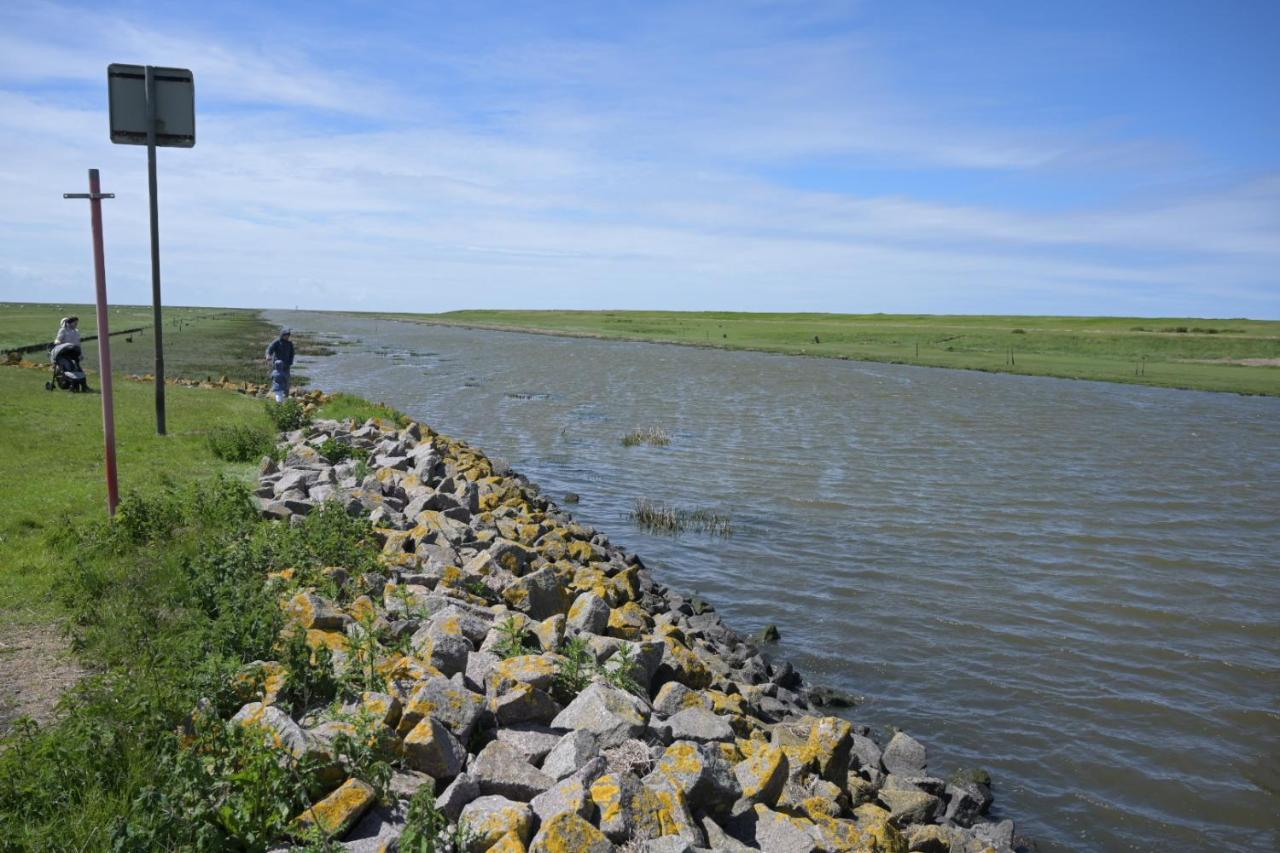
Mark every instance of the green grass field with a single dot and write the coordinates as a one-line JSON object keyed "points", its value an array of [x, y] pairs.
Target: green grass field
{"points": [[1209, 355], [53, 469]]}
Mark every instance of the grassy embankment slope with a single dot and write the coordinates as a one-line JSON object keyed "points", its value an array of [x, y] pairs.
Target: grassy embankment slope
{"points": [[199, 343], [163, 606], [1207, 355]]}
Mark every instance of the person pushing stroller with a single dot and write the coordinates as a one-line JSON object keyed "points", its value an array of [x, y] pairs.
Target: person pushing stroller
{"points": [[64, 355], [280, 360]]}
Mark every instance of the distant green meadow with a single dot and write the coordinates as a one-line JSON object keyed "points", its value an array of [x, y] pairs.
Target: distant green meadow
{"points": [[200, 343], [1238, 355]]}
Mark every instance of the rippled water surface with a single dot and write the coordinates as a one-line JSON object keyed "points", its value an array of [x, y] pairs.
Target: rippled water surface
{"points": [[1074, 585]]}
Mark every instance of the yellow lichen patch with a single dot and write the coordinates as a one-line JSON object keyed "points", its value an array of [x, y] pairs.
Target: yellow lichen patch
{"points": [[451, 576], [673, 816], [395, 542], [846, 836], [301, 608], [607, 795], [567, 832], [385, 709], [690, 671], [828, 746], [509, 843], [334, 641], [629, 622], [338, 812], [362, 609], [261, 681], [536, 670], [285, 575], [816, 807], [549, 632], [489, 502], [763, 773], [410, 481], [729, 752], [799, 756], [725, 703], [386, 475], [398, 667], [488, 828], [580, 550]]}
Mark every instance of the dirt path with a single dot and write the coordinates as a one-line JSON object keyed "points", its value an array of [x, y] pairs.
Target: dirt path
{"points": [[36, 667]]}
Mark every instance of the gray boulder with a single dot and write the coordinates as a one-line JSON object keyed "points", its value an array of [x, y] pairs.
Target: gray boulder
{"points": [[571, 752], [699, 724], [612, 715], [904, 755], [499, 769]]}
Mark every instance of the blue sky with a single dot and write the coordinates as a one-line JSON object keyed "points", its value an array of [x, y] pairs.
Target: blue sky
{"points": [[998, 157]]}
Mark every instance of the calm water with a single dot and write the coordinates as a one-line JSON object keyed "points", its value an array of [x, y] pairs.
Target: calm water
{"points": [[1071, 584]]}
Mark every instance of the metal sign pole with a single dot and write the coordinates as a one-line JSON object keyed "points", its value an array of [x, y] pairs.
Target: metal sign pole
{"points": [[95, 196], [155, 247]]}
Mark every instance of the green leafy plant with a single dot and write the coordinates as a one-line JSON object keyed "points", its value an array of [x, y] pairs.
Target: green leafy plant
{"points": [[427, 829], [240, 442], [513, 640], [337, 451], [617, 670], [287, 416], [369, 753], [575, 669]]}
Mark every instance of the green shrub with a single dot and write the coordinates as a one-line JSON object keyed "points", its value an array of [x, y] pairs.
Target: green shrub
{"points": [[287, 416], [427, 830], [167, 602], [240, 442], [336, 451]]}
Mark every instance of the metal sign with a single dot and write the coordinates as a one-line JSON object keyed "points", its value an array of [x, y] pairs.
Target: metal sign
{"points": [[175, 105]]}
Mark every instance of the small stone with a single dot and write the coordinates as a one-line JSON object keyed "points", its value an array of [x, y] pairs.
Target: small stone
{"points": [[674, 697], [768, 634], [699, 772], [904, 755], [278, 727]]}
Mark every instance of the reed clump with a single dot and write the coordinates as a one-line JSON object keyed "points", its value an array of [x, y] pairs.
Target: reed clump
{"points": [[658, 517], [654, 436]]}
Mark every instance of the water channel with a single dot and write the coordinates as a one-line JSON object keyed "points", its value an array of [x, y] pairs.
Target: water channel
{"points": [[1074, 585]]}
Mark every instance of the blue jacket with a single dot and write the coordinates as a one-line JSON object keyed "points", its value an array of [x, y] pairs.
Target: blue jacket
{"points": [[282, 351]]}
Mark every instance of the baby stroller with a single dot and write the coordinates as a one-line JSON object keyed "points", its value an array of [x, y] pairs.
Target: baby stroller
{"points": [[67, 372]]}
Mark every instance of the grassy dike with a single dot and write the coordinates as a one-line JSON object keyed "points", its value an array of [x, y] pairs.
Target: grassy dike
{"points": [[1238, 355], [139, 619]]}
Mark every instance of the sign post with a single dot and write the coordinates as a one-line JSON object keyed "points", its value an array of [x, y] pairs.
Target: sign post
{"points": [[95, 196], [153, 106]]}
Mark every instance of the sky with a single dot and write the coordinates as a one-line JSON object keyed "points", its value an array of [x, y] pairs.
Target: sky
{"points": [[906, 157]]}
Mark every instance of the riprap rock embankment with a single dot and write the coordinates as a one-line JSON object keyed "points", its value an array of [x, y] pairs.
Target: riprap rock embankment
{"points": [[556, 696]]}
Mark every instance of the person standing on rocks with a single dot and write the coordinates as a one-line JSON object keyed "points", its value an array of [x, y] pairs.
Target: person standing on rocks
{"points": [[280, 359]]}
